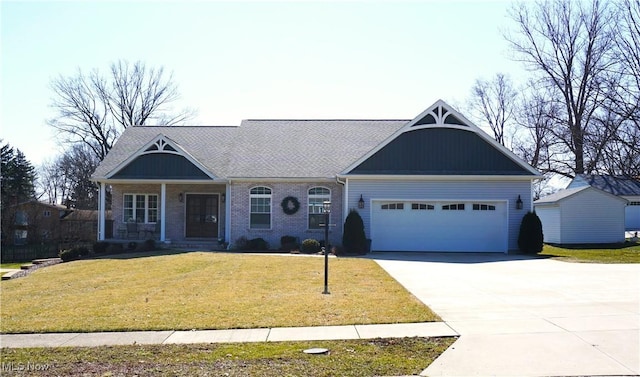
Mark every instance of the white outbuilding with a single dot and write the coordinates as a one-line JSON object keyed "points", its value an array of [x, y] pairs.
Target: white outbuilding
{"points": [[582, 215]]}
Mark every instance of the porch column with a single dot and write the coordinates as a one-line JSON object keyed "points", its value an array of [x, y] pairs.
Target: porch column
{"points": [[163, 208], [101, 211], [227, 214]]}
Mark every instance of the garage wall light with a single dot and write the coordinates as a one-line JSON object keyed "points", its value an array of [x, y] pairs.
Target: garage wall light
{"points": [[361, 202], [181, 197], [519, 203]]}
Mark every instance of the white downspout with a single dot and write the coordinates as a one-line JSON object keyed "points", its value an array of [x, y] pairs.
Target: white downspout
{"points": [[227, 213], [101, 212], [345, 197]]}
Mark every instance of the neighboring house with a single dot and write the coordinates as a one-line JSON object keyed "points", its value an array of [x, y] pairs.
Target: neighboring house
{"points": [[434, 183], [581, 215], [33, 221], [82, 225], [625, 187]]}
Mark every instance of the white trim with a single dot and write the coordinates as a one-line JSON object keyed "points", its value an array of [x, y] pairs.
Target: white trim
{"points": [[160, 137], [163, 210], [470, 127], [102, 212], [270, 196], [404, 177]]}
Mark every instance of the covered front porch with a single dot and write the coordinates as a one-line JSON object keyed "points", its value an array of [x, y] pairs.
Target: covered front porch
{"points": [[168, 212]]}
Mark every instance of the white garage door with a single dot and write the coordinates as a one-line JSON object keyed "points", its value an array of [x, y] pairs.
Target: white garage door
{"points": [[462, 226]]}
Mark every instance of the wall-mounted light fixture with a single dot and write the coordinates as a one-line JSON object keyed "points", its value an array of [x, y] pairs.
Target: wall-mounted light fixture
{"points": [[223, 197], [519, 203], [361, 202], [181, 197]]}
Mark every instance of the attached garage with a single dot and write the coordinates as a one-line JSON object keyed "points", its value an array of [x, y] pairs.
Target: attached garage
{"points": [[436, 225]]}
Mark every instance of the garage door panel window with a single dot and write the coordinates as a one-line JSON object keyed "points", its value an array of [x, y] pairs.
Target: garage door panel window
{"points": [[483, 207], [453, 207], [392, 206], [422, 207]]}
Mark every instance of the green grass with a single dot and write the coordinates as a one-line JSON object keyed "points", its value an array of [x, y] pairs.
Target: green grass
{"points": [[204, 291], [629, 252], [15, 266], [379, 357]]}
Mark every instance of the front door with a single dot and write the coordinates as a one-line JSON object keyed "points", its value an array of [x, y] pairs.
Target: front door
{"points": [[202, 216]]}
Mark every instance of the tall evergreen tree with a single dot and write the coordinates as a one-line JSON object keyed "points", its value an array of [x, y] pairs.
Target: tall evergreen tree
{"points": [[18, 176]]}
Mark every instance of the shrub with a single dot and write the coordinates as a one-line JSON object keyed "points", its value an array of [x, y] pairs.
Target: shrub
{"points": [[132, 245], [241, 243], [258, 244], [147, 245], [115, 248], [82, 251], [100, 247], [69, 255], [288, 243], [530, 238], [354, 240], [310, 246]]}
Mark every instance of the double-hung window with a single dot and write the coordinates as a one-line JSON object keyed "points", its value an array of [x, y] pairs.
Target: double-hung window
{"points": [[260, 217], [317, 197], [140, 208]]}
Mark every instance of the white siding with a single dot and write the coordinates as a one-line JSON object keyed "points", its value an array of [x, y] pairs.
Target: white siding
{"points": [[632, 213], [550, 219], [592, 216], [443, 190]]}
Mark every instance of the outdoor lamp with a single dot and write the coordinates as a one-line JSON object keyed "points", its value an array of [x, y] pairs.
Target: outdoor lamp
{"points": [[519, 203], [361, 202], [326, 208]]}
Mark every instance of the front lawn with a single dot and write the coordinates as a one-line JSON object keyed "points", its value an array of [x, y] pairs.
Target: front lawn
{"points": [[629, 252], [379, 357], [202, 290]]}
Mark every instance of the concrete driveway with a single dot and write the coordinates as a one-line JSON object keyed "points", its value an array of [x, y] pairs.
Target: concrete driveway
{"points": [[519, 316]]}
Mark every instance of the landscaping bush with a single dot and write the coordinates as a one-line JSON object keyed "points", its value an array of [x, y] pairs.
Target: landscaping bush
{"points": [[132, 246], [147, 245], [100, 247], [354, 241], [241, 244], [69, 255], [288, 243], [310, 246], [82, 251], [115, 248], [530, 238], [258, 244]]}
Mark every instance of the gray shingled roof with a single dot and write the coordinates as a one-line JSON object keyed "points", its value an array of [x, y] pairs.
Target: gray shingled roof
{"points": [[560, 195], [620, 186], [264, 148]]}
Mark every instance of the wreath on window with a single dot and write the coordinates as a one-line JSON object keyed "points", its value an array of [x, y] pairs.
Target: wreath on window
{"points": [[290, 205]]}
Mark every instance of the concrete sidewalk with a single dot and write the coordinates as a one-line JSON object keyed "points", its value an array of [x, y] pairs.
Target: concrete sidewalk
{"points": [[427, 329]]}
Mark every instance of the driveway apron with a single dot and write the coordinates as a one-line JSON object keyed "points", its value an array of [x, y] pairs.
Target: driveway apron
{"points": [[527, 316]]}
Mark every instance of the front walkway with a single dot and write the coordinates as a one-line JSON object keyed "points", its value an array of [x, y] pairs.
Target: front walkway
{"points": [[519, 316]]}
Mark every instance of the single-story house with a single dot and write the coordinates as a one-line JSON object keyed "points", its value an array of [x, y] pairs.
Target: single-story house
{"points": [[625, 187], [433, 183], [581, 215]]}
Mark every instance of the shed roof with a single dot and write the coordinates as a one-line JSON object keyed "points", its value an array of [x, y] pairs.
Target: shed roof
{"points": [[616, 185], [561, 195]]}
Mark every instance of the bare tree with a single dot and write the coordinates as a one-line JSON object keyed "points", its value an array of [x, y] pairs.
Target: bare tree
{"points": [[568, 45], [94, 110], [493, 103]]}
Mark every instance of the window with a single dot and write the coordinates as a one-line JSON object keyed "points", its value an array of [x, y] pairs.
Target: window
{"points": [[317, 196], [260, 217], [634, 204], [453, 207], [483, 207], [422, 206], [393, 206], [140, 208], [47, 213], [21, 218]]}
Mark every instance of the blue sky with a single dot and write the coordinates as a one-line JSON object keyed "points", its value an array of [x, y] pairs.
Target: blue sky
{"points": [[252, 60]]}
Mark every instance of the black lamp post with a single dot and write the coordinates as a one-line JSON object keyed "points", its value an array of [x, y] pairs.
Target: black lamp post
{"points": [[326, 208]]}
